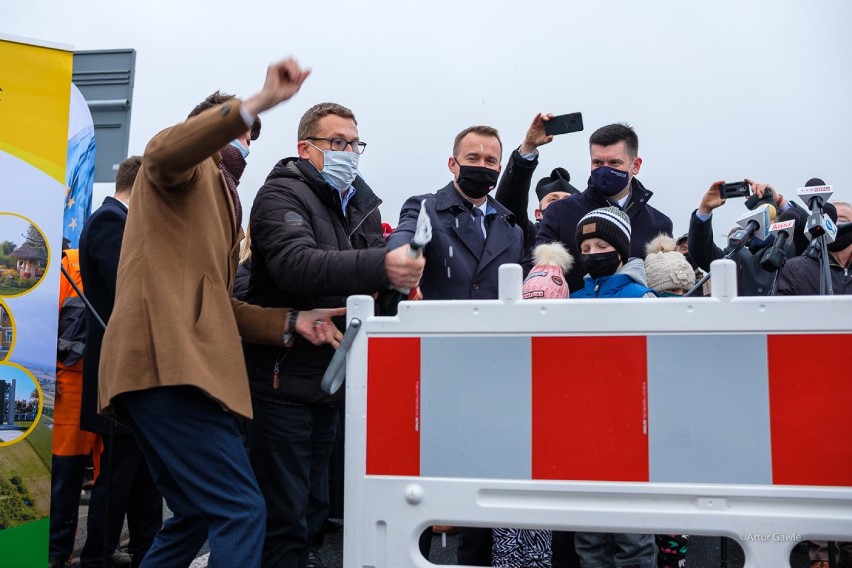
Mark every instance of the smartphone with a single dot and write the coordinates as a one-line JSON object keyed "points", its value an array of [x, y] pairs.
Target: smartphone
{"points": [[735, 189], [564, 123]]}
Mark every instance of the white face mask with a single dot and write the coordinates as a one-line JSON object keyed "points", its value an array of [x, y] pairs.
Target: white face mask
{"points": [[339, 168]]}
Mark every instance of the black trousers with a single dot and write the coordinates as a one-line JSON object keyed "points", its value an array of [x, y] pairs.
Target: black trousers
{"points": [[125, 486], [65, 484], [475, 546], [290, 449]]}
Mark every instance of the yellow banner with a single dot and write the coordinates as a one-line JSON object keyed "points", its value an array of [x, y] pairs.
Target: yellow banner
{"points": [[34, 103]]}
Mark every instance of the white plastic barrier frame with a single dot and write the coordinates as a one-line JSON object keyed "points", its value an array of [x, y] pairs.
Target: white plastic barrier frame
{"points": [[768, 516]]}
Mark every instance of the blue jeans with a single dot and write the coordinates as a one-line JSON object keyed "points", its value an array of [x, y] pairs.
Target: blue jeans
{"points": [[199, 463], [290, 448], [616, 550]]}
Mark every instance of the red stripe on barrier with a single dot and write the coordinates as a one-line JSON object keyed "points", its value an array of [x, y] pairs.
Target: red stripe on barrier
{"points": [[590, 408], [393, 406], [810, 386]]}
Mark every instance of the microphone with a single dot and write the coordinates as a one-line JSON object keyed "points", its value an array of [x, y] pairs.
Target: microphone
{"points": [[775, 257], [754, 224], [822, 223], [815, 194], [820, 228]]}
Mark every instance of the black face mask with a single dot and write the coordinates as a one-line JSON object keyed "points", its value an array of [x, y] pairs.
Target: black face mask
{"points": [[476, 181], [843, 238], [601, 263]]}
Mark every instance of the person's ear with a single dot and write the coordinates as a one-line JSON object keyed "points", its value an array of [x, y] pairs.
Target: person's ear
{"points": [[637, 163]]}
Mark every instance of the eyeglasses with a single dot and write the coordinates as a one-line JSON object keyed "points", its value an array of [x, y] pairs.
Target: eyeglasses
{"points": [[339, 144]]}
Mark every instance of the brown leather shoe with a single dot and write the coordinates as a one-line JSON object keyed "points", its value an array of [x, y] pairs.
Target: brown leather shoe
{"points": [[443, 529]]}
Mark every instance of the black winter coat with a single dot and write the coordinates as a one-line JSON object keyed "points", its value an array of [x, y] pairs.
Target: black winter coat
{"points": [[562, 217], [459, 264], [241, 280], [513, 193], [801, 275], [306, 254], [752, 280]]}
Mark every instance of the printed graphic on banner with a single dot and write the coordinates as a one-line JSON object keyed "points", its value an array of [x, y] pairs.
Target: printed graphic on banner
{"points": [[34, 107], [34, 110], [24, 255], [7, 331], [80, 175]]}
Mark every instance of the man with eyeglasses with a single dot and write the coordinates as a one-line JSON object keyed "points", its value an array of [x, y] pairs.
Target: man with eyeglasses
{"points": [[316, 239]]}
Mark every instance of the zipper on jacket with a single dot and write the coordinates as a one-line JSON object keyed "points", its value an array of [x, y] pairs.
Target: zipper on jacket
{"points": [[275, 368], [597, 289], [361, 222]]}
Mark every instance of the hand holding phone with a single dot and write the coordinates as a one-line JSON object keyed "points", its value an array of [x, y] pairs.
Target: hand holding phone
{"points": [[564, 123], [735, 189]]}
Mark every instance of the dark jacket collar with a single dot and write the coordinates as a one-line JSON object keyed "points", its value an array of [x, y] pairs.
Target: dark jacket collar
{"points": [[448, 198], [110, 200]]}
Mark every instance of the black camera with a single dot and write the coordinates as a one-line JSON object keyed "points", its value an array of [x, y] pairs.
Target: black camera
{"points": [[735, 189]]}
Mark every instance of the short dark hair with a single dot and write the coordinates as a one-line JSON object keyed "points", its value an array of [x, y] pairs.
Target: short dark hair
{"points": [[615, 133], [481, 130], [218, 98], [127, 171], [308, 123]]}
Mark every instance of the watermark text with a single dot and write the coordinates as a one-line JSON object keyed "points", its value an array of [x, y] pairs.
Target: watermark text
{"points": [[770, 537]]}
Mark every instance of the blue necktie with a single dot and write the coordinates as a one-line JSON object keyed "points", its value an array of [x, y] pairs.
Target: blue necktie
{"points": [[479, 219]]}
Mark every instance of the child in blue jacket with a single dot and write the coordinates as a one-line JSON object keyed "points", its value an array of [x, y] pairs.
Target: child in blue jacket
{"points": [[603, 237]]}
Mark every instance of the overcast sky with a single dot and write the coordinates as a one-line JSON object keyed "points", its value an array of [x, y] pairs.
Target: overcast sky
{"points": [[715, 90]]}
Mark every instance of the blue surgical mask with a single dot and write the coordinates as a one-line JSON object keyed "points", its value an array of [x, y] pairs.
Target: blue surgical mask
{"points": [[244, 151], [608, 181], [339, 168]]}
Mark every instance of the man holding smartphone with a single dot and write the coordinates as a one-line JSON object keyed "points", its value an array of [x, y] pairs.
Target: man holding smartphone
{"points": [[513, 189], [752, 279], [614, 165]]}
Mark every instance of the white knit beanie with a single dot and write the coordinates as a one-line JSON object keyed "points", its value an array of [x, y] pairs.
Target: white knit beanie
{"points": [[665, 268]]}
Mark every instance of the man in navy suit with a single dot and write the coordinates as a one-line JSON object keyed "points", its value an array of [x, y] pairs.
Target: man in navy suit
{"points": [[472, 235], [124, 484]]}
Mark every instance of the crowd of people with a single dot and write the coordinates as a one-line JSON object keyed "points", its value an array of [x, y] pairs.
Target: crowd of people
{"points": [[162, 380]]}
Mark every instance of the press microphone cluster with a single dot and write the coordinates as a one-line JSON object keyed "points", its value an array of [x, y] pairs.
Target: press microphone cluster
{"points": [[775, 257], [815, 195], [754, 224]]}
